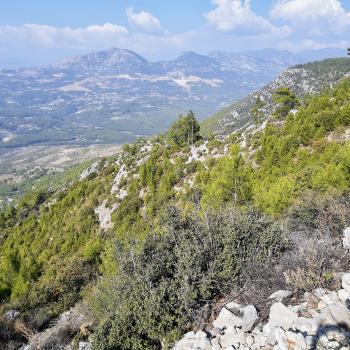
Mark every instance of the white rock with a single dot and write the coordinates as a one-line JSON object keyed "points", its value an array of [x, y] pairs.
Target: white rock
{"points": [[330, 298], [319, 292], [346, 238], [334, 315], [228, 339], [201, 335], [281, 294], [281, 338], [84, 345], [215, 344], [281, 316], [232, 305], [227, 319], [346, 282], [296, 341], [250, 316], [344, 296], [305, 325]]}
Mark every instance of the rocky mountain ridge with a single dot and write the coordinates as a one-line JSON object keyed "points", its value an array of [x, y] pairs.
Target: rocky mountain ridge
{"points": [[115, 96], [303, 80]]}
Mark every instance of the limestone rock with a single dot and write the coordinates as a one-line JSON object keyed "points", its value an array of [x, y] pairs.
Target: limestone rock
{"points": [[227, 319], [250, 316], [296, 341], [281, 338], [281, 294], [346, 238], [281, 316], [330, 298], [344, 296], [334, 315], [346, 282], [84, 345]]}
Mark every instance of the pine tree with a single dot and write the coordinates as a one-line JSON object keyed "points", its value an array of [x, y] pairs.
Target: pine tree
{"points": [[257, 110]]}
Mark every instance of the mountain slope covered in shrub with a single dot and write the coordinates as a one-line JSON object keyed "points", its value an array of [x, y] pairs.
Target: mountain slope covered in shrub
{"points": [[153, 239]]}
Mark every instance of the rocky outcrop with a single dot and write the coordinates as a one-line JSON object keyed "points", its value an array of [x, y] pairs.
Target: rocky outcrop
{"points": [[320, 320]]}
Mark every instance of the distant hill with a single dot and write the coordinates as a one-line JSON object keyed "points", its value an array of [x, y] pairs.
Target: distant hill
{"points": [[303, 79], [115, 96]]}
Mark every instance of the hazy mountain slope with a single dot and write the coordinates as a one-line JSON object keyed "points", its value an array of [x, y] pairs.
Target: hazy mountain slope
{"points": [[155, 238], [116, 95], [304, 79]]}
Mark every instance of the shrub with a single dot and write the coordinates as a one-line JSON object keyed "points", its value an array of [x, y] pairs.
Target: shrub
{"points": [[160, 290]]}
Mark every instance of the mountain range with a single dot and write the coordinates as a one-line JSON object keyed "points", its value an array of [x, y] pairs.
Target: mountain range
{"points": [[115, 96]]}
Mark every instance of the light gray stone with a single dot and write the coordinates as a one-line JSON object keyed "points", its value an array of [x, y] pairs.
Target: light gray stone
{"points": [[305, 325], [346, 238], [281, 294], [334, 315], [250, 316], [346, 282], [281, 316], [281, 339], [84, 345], [296, 341], [227, 319], [330, 298], [319, 292], [201, 335], [215, 344], [344, 296]]}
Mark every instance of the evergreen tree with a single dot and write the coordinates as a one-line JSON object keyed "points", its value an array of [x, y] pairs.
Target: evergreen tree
{"points": [[286, 100], [257, 110], [184, 130]]}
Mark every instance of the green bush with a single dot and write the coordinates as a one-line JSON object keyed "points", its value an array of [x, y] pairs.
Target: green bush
{"points": [[160, 289]]}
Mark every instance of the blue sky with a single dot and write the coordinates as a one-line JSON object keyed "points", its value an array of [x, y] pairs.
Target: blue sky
{"points": [[38, 32]]}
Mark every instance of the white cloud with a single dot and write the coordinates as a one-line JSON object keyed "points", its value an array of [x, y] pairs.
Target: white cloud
{"points": [[237, 16], [45, 36], [314, 13], [143, 20]]}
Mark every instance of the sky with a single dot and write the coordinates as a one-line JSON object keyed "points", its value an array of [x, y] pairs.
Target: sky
{"points": [[39, 32]]}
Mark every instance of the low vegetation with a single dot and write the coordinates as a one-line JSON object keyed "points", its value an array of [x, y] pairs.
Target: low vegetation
{"points": [[189, 230]]}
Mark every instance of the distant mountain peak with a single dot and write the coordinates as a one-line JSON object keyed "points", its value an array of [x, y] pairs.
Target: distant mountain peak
{"points": [[110, 59]]}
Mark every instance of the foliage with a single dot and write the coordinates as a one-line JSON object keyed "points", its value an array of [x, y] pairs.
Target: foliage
{"points": [[257, 111], [184, 131], [160, 290], [286, 100]]}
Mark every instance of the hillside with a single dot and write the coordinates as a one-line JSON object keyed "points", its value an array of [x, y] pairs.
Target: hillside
{"points": [[116, 96], [150, 243], [303, 79]]}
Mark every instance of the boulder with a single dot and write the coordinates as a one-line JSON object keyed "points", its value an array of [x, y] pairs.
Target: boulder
{"points": [[281, 339], [334, 315], [232, 339], [346, 238], [250, 316], [330, 298], [296, 341], [281, 316], [344, 296], [346, 282], [281, 294], [227, 320]]}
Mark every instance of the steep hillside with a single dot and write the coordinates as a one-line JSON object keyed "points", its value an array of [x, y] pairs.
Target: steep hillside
{"points": [[116, 96], [150, 243], [304, 79]]}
